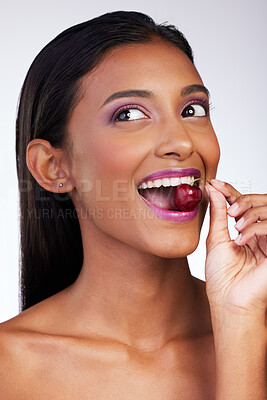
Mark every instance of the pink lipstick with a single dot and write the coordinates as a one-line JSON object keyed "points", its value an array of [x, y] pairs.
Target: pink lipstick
{"points": [[170, 215]]}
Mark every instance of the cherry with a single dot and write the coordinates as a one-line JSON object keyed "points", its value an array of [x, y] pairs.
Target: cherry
{"points": [[187, 197]]}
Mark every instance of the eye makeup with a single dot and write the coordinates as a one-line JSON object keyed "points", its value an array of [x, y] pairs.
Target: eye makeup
{"points": [[203, 101], [125, 107]]}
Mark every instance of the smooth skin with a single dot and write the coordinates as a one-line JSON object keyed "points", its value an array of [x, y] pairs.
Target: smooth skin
{"points": [[135, 319]]}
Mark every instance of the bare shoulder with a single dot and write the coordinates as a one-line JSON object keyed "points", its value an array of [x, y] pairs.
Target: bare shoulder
{"points": [[14, 361], [23, 340], [35, 349]]}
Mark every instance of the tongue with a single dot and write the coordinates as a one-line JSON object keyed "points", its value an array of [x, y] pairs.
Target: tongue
{"points": [[161, 197]]}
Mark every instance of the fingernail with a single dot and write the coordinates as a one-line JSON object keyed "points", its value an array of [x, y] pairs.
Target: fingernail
{"points": [[239, 223], [238, 238], [233, 208], [217, 181]]}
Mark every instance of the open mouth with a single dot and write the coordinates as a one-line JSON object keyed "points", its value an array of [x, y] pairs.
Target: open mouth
{"points": [[163, 195]]}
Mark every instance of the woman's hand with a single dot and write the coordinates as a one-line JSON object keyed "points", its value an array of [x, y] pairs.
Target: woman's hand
{"points": [[236, 270]]}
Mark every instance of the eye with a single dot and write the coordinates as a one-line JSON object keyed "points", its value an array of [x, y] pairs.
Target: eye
{"points": [[129, 114], [194, 110]]}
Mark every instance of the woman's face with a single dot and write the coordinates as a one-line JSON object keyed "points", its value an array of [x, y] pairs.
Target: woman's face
{"points": [[113, 151]]}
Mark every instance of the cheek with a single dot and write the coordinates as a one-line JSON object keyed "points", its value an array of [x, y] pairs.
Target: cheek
{"points": [[111, 158], [110, 164], [209, 151], [117, 157]]}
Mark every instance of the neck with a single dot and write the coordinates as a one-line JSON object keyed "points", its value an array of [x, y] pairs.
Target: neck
{"points": [[133, 297]]}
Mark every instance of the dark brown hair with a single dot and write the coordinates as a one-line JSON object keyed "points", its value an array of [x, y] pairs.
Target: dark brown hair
{"points": [[50, 239]]}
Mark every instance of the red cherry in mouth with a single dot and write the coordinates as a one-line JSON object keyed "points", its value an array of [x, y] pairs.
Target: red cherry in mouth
{"points": [[187, 197]]}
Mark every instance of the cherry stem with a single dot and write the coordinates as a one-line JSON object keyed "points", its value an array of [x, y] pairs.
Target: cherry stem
{"points": [[198, 179]]}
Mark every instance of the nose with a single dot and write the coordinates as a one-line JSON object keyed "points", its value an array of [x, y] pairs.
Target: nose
{"points": [[173, 141]]}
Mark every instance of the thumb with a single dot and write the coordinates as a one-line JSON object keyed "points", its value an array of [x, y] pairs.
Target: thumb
{"points": [[218, 231]]}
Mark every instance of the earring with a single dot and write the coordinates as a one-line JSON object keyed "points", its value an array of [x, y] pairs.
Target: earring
{"points": [[61, 184]]}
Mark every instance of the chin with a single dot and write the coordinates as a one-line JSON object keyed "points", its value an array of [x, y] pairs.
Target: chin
{"points": [[176, 246]]}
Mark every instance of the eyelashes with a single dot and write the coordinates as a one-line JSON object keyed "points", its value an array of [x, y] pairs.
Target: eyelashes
{"points": [[187, 110], [199, 101], [126, 108], [202, 102]]}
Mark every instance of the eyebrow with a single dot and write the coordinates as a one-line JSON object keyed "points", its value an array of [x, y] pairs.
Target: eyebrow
{"points": [[193, 89], [149, 95]]}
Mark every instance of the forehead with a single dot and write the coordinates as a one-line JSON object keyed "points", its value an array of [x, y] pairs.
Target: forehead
{"points": [[141, 66]]}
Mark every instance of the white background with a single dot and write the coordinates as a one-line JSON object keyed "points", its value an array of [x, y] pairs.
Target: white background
{"points": [[229, 42]]}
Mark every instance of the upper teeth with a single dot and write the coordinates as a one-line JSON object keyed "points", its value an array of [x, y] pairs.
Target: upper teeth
{"points": [[166, 182]]}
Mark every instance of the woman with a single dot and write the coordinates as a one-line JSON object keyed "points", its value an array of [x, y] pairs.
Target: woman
{"points": [[107, 294]]}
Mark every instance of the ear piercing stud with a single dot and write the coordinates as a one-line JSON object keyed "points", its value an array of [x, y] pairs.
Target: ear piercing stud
{"points": [[61, 184]]}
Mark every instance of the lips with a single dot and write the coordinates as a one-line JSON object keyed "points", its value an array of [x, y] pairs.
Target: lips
{"points": [[174, 216], [160, 200]]}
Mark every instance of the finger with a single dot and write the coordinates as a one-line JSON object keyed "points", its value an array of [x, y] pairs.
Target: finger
{"points": [[218, 230], [230, 193], [251, 216], [245, 202], [259, 229]]}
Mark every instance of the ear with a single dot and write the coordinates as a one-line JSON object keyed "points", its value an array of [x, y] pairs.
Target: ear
{"points": [[49, 166]]}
